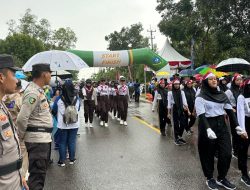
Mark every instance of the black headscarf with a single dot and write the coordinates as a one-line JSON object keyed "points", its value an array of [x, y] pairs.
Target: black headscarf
{"points": [[190, 95], [68, 93], [235, 90], [164, 95], [177, 99], [222, 86], [246, 89], [212, 94]]}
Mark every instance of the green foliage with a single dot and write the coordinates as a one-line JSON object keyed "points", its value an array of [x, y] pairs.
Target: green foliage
{"points": [[29, 36], [220, 28], [126, 38], [21, 46]]}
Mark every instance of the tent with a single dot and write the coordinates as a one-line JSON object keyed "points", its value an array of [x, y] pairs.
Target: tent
{"points": [[174, 59]]}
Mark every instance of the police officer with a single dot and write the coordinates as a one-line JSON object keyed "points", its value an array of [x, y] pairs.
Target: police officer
{"points": [[10, 153], [35, 125]]}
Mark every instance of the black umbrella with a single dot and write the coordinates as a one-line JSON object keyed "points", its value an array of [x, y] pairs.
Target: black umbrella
{"points": [[233, 65]]}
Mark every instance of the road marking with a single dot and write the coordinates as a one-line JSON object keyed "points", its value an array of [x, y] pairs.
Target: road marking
{"points": [[147, 124]]}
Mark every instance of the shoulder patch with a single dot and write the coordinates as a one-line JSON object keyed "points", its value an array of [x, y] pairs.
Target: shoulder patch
{"points": [[32, 100]]}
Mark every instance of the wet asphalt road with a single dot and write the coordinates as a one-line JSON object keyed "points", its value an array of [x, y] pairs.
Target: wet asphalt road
{"points": [[132, 158]]}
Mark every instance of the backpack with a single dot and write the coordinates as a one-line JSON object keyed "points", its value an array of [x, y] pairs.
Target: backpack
{"points": [[70, 115]]}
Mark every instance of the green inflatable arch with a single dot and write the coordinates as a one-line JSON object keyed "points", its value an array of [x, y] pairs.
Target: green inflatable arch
{"points": [[122, 58]]}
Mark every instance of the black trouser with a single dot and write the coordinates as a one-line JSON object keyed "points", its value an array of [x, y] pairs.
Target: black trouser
{"points": [[89, 106], [243, 149], [123, 107], [163, 117], [191, 118], [137, 97], [38, 163], [179, 122], [104, 108], [111, 103], [235, 137], [115, 104], [207, 147], [97, 108]]}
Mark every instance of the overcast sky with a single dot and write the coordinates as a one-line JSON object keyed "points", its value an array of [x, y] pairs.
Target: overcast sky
{"points": [[91, 20]]}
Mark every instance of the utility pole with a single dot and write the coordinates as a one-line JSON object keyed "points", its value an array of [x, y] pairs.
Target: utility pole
{"points": [[151, 37], [152, 47]]}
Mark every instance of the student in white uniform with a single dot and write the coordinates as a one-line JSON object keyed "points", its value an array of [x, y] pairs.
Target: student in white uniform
{"points": [[103, 91], [178, 103], [214, 135], [89, 102], [123, 99], [232, 95], [243, 113], [161, 101]]}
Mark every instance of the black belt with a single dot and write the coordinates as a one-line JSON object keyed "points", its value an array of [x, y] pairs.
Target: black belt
{"points": [[122, 95], [39, 129], [11, 167]]}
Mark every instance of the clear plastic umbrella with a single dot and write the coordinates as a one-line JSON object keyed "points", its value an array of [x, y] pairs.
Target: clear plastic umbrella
{"points": [[58, 60]]}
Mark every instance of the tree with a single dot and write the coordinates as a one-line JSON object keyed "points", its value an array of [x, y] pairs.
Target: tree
{"points": [[219, 28], [61, 38], [126, 38], [21, 46]]}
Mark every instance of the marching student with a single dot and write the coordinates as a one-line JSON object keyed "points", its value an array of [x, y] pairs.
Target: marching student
{"points": [[178, 103], [161, 101], [89, 102], [214, 135], [190, 96], [123, 92], [243, 113], [116, 99], [223, 84], [232, 95], [103, 104]]}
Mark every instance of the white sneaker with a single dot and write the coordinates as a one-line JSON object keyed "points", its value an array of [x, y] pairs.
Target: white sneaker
{"points": [[121, 122], [118, 119], [90, 125], [101, 123], [86, 125], [125, 123], [106, 125]]}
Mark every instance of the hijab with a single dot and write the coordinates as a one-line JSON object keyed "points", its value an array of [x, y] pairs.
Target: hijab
{"points": [[190, 95], [68, 93], [177, 99], [212, 94], [164, 95], [246, 89], [235, 89]]}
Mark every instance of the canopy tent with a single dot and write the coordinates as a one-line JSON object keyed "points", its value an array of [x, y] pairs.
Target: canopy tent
{"points": [[174, 59]]}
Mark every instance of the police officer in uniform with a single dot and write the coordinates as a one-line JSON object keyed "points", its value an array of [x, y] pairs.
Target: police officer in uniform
{"points": [[10, 153], [35, 125]]}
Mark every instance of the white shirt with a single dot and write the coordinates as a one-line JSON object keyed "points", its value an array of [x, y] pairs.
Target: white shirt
{"points": [[243, 110], [123, 90], [211, 109], [231, 97], [93, 97], [171, 99], [156, 97], [103, 90], [197, 92], [60, 113], [113, 92]]}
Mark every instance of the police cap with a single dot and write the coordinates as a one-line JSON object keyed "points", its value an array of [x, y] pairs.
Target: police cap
{"points": [[6, 61], [41, 67]]}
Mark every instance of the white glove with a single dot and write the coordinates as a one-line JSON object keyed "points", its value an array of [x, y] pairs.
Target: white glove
{"points": [[211, 134], [239, 130]]}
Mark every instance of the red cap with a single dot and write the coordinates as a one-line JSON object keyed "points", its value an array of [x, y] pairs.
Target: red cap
{"points": [[176, 81], [209, 74], [236, 76], [161, 81]]}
